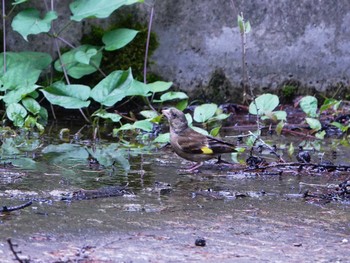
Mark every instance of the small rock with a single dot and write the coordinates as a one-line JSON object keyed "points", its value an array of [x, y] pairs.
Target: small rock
{"points": [[200, 242]]}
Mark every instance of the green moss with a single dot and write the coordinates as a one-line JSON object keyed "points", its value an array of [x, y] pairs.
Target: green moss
{"points": [[132, 55], [289, 92]]}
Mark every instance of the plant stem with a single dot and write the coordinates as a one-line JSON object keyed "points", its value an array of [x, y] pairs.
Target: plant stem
{"points": [[4, 33], [146, 54], [147, 45]]}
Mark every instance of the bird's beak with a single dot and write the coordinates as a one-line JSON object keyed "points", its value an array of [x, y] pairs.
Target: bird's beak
{"points": [[165, 113]]}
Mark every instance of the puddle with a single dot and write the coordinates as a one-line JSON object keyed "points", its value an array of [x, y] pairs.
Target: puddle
{"points": [[254, 218]]}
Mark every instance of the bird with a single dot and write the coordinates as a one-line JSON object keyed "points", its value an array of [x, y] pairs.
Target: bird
{"points": [[190, 144]]}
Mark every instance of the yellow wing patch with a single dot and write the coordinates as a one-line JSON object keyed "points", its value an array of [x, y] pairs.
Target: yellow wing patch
{"points": [[207, 150]]}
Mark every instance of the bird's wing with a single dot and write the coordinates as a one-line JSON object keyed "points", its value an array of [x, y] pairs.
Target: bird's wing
{"points": [[196, 143]]}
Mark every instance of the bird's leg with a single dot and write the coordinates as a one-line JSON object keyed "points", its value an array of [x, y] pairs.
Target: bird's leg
{"points": [[220, 161]]}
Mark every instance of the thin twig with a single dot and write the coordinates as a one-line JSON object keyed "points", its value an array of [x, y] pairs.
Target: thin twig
{"points": [[14, 208], [4, 33], [146, 53], [257, 138]]}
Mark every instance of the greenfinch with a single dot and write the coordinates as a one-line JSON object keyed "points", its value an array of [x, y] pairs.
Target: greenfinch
{"points": [[190, 144]]}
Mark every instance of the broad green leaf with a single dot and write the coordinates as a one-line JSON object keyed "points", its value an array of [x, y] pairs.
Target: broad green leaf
{"points": [[149, 114], [28, 22], [84, 57], [162, 138], [144, 125], [65, 153], [172, 95], [220, 117], [31, 105], [37, 60], [182, 105], [309, 105], [263, 104], [159, 86], [137, 88], [75, 68], [111, 154], [67, 96], [204, 112], [280, 115], [314, 123], [17, 94], [16, 113], [106, 115], [200, 130], [21, 75], [101, 9], [118, 38], [113, 88]]}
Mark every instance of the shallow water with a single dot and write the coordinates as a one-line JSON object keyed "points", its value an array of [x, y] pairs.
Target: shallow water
{"points": [[255, 218]]}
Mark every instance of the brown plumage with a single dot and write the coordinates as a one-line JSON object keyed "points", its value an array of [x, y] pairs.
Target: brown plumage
{"points": [[192, 145]]}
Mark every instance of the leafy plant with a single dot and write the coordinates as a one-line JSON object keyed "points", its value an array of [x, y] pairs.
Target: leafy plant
{"points": [[309, 105]]}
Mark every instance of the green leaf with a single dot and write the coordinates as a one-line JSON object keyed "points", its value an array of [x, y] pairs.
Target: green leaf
{"points": [[204, 112], [309, 105], [16, 113], [67, 96], [28, 22], [247, 27], [182, 105], [314, 123], [74, 67], [159, 86], [84, 57], [30, 122], [118, 38], [16, 95], [264, 103], [113, 88], [144, 125], [172, 95], [42, 116], [17, 2], [31, 105], [220, 117], [200, 130], [149, 114], [21, 75], [106, 115], [215, 132], [291, 149], [280, 115], [240, 23], [279, 127], [137, 88], [320, 135], [162, 138], [101, 9], [330, 103]]}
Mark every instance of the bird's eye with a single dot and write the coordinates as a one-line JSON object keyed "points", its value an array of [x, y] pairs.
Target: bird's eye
{"points": [[173, 114]]}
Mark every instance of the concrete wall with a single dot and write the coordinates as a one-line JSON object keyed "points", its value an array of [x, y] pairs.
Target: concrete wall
{"points": [[304, 42]]}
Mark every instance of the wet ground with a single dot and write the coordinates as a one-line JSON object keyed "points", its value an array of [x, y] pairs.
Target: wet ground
{"points": [[241, 217]]}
